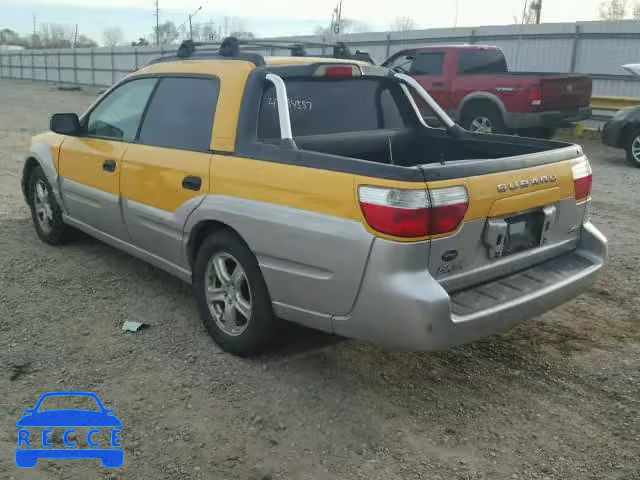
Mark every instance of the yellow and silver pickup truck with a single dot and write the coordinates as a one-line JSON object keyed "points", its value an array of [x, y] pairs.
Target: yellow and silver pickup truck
{"points": [[311, 190]]}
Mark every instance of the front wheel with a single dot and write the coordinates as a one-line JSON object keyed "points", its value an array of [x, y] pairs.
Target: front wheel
{"points": [[632, 147], [232, 296], [45, 211]]}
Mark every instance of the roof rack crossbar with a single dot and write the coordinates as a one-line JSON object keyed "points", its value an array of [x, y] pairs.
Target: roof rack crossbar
{"points": [[230, 48]]}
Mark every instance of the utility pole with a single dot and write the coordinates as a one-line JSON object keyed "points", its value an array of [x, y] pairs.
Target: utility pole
{"points": [[75, 37], [34, 24], [190, 26], [157, 21], [455, 20]]}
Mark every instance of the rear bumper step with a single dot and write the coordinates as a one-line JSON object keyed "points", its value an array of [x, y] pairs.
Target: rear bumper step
{"points": [[517, 287]]}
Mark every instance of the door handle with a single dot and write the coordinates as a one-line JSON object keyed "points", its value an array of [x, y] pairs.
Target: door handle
{"points": [[109, 166], [437, 84], [192, 183]]}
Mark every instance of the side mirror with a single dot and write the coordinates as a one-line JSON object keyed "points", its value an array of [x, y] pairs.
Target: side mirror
{"points": [[65, 123]]}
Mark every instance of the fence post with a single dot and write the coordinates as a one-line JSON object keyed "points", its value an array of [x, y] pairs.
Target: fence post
{"points": [[33, 65], [113, 71], [21, 73], [388, 52], [574, 52], [93, 69], [46, 66], [59, 67], [324, 40], [75, 66], [135, 56], [1, 66], [472, 37]]}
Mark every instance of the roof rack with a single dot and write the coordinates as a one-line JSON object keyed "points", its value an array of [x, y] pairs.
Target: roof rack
{"points": [[230, 48]]}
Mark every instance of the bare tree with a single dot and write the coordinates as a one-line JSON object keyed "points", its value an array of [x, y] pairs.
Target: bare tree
{"points": [[55, 35], [403, 24], [530, 13], [167, 33], [636, 10], [613, 9], [112, 36]]}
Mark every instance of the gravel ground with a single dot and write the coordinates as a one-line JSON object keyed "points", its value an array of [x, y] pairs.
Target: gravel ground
{"points": [[557, 398]]}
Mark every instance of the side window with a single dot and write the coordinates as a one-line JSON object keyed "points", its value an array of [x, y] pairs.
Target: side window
{"points": [[117, 117], [477, 61], [428, 63], [181, 114], [401, 64]]}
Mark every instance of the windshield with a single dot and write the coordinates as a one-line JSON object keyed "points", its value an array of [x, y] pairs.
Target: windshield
{"points": [[322, 106]]}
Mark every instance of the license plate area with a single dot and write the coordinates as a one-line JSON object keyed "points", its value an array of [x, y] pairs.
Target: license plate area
{"points": [[520, 232], [523, 232]]}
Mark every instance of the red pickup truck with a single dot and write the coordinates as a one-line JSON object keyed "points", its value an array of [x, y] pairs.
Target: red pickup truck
{"points": [[473, 84]]}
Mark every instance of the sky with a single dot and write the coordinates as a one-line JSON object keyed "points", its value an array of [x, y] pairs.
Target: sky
{"points": [[277, 17]]}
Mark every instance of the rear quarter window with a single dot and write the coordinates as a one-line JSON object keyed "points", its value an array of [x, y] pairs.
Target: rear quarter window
{"points": [[481, 61], [321, 106]]}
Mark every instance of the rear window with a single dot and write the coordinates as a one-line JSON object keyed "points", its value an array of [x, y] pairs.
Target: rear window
{"points": [[481, 61], [321, 106]]}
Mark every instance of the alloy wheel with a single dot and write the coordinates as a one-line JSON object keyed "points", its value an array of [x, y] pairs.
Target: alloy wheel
{"points": [[42, 206], [228, 294], [635, 149], [481, 125]]}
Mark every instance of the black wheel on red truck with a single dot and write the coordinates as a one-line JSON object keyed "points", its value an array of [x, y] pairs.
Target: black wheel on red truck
{"points": [[483, 117], [632, 146]]}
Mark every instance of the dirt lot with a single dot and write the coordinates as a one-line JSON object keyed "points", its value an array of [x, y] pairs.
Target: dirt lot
{"points": [[557, 398]]}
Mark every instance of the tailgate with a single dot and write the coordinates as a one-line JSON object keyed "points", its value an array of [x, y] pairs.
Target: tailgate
{"points": [[565, 92], [515, 219]]}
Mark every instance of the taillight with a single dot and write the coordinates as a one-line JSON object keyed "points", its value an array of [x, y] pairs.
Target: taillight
{"points": [[337, 71], [582, 178], [535, 95], [413, 213]]}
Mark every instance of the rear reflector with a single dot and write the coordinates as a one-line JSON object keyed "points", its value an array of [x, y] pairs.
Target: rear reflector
{"points": [[413, 213], [337, 71], [582, 178]]}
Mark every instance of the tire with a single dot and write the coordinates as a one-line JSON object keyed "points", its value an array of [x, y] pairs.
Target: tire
{"points": [[483, 118], [223, 305], [632, 141], [45, 211]]}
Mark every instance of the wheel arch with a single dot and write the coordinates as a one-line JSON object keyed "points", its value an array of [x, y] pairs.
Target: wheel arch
{"points": [[30, 164], [481, 98], [628, 130], [41, 156], [199, 233]]}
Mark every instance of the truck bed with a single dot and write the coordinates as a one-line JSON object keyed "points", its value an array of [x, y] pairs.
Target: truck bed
{"points": [[407, 148]]}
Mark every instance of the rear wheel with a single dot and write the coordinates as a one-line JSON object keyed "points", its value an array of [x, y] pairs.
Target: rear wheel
{"points": [[632, 146], [45, 211], [232, 296], [483, 118]]}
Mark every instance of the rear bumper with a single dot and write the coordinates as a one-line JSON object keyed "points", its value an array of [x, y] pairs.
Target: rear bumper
{"points": [[612, 134], [548, 119], [402, 306]]}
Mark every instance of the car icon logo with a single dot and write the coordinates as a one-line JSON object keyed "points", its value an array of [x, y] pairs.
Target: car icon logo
{"points": [[36, 427]]}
